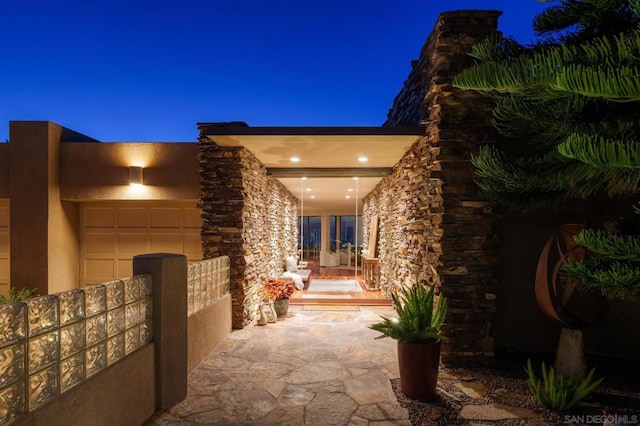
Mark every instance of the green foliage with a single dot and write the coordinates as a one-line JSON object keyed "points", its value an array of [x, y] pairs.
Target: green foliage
{"points": [[613, 279], [572, 100], [17, 295], [550, 96], [557, 71], [420, 316], [573, 21], [558, 392], [613, 246], [613, 268], [554, 178], [602, 154], [494, 47], [621, 84]]}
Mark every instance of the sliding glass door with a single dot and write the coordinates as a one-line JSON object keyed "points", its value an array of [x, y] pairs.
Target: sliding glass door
{"points": [[311, 237], [343, 229]]}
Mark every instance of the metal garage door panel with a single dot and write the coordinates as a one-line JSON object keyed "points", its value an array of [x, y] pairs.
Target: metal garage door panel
{"points": [[166, 243], [166, 218], [134, 241], [101, 242], [112, 235], [99, 217], [101, 270], [132, 217], [192, 218]]}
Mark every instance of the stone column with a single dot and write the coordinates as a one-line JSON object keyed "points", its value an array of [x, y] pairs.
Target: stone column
{"points": [[457, 122], [222, 205]]}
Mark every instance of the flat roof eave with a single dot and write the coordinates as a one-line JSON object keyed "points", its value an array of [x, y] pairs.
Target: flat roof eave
{"points": [[242, 129]]}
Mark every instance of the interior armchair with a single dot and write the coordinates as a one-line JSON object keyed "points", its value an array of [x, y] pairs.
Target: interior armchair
{"points": [[344, 257], [328, 258]]}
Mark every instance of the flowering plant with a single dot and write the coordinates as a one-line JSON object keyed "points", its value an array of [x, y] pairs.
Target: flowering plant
{"points": [[278, 288]]}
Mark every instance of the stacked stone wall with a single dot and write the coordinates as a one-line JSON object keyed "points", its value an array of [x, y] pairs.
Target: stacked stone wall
{"points": [[408, 206], [248, 216], [456, 122]]}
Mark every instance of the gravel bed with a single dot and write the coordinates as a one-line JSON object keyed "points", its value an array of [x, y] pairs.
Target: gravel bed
{"points": [[506, 384]]}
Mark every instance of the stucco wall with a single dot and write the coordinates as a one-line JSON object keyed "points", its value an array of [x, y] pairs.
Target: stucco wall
{"points": [[44, 241], [4, 246], [206, 329], [4, 170], [52, 169], [100, 171]]}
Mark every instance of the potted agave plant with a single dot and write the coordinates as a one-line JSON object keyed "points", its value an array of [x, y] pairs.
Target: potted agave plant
{"points": [[417, 330]]}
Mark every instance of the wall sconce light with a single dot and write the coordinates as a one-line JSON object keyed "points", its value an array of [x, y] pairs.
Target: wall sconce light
{"points": [[136, 176]]}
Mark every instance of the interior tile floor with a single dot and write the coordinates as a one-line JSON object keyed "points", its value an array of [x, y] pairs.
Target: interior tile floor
{"points": [[312, 367]]}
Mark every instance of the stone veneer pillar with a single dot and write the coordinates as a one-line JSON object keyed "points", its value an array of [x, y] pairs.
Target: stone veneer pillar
{"points": [[246, 215], [456, 122]]}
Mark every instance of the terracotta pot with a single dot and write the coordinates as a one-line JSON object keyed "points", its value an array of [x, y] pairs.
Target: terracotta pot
{"points": [[418, 363], [282, 307]]}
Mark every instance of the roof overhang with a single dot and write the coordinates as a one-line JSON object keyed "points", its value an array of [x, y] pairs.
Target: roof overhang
{"points": [[329, 155]]}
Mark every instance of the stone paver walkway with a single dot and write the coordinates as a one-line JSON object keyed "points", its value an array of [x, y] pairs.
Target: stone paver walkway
{"points": [[309, 368], [317, 368]]}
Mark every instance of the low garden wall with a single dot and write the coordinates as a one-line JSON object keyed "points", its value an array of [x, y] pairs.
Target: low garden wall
{"points": [[112, 353], [209, 308]]}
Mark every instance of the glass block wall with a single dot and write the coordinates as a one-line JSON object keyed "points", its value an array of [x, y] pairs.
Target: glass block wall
{"points": [[208, 281], [51, 344]]}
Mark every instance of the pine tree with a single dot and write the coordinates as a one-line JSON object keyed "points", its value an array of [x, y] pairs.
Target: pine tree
{"points": [[570, 106]]}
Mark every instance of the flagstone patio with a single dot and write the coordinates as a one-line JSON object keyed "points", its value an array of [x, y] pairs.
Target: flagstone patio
{"points": [[325, 368]]}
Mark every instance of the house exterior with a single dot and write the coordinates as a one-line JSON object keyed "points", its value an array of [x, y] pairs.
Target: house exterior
{"points": [[74, 218], [69, 217]]}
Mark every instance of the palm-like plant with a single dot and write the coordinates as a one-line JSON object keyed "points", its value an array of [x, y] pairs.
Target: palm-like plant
{"points": [[421, 314]]}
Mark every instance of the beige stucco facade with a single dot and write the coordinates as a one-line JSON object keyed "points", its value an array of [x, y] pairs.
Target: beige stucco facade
{"points": [[4, 246], [68, 216]]}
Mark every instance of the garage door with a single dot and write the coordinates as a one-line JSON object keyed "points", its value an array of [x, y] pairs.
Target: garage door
{"points": [[4, 247], [113, 233]]}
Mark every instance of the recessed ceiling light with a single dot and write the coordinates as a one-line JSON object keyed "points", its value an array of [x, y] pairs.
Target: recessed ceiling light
{"points": [[294, 159], [303, 178], [356, 178], [363, 159], [350, 189], [348, 196], [313, 196], [308, 189]]}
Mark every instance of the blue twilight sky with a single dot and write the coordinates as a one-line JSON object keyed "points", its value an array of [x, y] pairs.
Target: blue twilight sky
{"points": [[141, 70]]}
